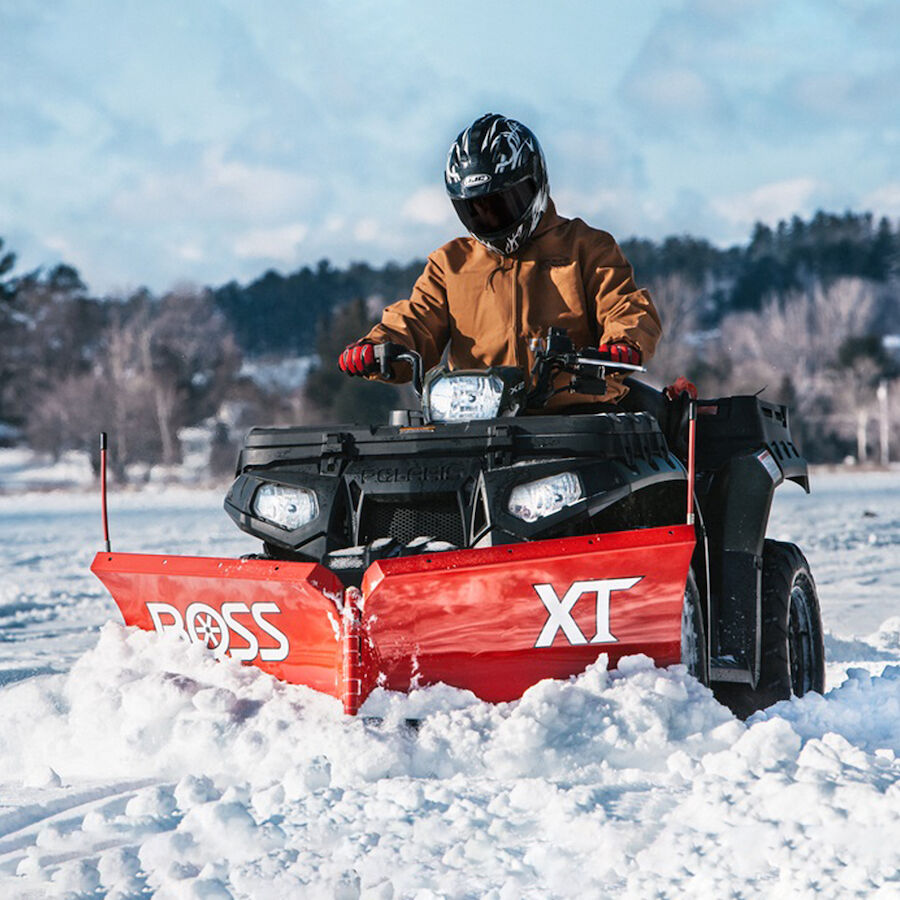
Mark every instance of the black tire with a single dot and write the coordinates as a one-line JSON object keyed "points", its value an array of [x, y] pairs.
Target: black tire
{"points": [[694, 649], [793, 650]]}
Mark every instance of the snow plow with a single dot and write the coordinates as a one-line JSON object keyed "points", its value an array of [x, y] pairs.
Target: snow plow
{"points": [[473, 544]]}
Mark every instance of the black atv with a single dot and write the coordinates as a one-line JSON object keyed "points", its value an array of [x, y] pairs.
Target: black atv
{"points": [[480, 467]]}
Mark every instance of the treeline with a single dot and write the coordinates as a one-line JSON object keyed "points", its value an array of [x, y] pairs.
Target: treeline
{"points": [[141, 367], [801, 310], [792, 256], [281, 313]]}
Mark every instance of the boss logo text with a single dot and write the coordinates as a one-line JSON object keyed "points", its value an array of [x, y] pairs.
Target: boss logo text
{"points": [[215, 628]]}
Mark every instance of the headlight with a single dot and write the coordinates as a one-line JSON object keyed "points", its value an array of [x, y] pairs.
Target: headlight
{"points": [[544, 497], [463, 398], [286, 507]]}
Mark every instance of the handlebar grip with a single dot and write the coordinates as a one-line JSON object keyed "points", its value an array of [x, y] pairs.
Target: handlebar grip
{"points": [[385, 354], [388, 353]]}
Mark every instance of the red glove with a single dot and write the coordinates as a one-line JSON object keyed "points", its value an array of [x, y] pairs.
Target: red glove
{"points": [[622, 353], [359, 359], [680, 386]]}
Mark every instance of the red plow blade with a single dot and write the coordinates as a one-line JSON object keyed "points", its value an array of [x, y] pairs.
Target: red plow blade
{"points": [[494, 621]]}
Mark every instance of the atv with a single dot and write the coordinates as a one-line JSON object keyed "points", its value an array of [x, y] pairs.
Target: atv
{"points": [[483, 542]]}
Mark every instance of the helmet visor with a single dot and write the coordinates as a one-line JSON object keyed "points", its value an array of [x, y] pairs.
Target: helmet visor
{"points": [[496, 212]]}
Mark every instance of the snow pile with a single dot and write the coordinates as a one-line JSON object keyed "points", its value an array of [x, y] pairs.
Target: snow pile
{"points": [[220, 781]]}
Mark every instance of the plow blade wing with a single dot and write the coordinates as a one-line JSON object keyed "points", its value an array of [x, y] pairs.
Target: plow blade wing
{"points": [[498, 620], [283, 617]]}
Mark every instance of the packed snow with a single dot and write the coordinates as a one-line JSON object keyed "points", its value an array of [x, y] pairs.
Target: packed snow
{"points": [[133, 764]]}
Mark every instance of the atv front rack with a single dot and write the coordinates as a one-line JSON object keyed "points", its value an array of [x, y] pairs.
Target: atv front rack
{"points": [[494, 621]]}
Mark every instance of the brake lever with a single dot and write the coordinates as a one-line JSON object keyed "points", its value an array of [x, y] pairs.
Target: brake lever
{"points": [[614, 366], [415, 363]]}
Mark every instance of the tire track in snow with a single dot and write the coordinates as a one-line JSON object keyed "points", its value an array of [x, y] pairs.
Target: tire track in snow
{"points": [[19, 826]]}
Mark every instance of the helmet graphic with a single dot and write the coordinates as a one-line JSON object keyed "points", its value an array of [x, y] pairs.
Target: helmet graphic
{"points": [[497, 180]]}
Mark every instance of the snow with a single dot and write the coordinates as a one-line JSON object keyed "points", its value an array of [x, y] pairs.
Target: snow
{"points": [[132, 763], [23, 469]]}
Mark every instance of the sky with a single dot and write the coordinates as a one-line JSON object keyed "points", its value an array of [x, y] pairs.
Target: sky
{"points": [[209, 140]]}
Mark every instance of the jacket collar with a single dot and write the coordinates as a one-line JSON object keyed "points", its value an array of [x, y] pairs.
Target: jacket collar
{"points": [[549, 220]]}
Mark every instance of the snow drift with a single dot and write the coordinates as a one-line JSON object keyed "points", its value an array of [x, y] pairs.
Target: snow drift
{"points": [[144, 766], [219, 781]]}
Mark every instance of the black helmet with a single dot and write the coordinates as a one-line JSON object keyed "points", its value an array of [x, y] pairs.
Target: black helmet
{"points": [[497, 179]]}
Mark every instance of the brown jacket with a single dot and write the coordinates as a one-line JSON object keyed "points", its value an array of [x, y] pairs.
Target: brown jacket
{"points": [[488, 308]]}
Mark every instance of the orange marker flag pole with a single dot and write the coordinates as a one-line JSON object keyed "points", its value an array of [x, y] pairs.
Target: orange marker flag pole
{"points": [[103, 491], [692, 446]]}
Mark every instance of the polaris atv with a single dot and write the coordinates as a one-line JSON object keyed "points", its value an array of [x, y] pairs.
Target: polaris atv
{"points": [[481, 543]]}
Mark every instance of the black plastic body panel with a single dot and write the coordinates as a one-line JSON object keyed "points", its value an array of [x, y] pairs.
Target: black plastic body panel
{"points": [[450, 482], [612, 436], [378, 486], [731, 426]]}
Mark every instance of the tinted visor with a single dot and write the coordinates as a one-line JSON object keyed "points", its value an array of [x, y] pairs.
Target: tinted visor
{"points": [[495, 213]]}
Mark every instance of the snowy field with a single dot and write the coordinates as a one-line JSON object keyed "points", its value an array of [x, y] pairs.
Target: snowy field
{"points": [[132, 765]]}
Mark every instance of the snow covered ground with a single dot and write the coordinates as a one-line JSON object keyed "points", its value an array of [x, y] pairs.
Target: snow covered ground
{"points": [[22, 469], [131, 764]]}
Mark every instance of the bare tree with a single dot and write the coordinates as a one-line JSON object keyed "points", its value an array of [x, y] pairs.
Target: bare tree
{"points": [[792, 346], [163, 365], [797, 336], [677, 300], [191, 355]]}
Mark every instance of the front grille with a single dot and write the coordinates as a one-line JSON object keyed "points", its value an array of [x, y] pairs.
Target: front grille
{"points": [[434, 515]]}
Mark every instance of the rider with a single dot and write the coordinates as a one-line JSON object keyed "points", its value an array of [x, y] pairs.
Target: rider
{"points": [[524, 269]]}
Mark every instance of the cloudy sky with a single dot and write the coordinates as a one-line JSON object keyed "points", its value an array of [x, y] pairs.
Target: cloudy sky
{"points": [[205, 140]]}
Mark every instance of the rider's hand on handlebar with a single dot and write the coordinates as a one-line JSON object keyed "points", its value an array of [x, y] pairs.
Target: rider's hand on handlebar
{"points": [[621, 353], [359, 359]]}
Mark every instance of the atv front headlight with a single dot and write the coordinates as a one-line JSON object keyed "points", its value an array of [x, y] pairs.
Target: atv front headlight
{"points": [[463, 398], [286, 507], [544, 497]]}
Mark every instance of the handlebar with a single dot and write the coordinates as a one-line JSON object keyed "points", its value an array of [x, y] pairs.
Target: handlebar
{"points": [[580, 359], [557, 347], [553, 354], [588, 367], [386, 354]]}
